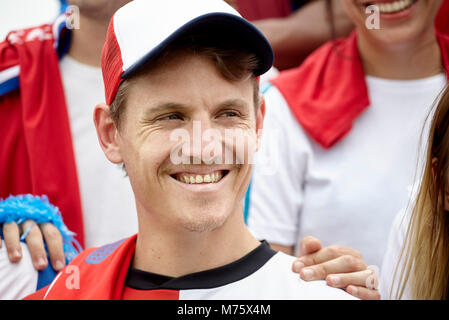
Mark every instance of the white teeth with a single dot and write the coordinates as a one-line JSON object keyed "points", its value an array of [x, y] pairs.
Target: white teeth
{"points": [[208, 178], [394, 7]]}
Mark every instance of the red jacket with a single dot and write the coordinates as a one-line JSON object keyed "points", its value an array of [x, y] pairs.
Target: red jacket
{"points": [[328, 91], [36, 153]]}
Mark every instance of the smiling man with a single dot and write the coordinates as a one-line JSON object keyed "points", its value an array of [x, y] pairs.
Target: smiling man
{"points": [[167, 72]]}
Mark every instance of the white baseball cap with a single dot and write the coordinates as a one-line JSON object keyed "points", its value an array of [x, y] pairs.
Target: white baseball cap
{"points": [[142, 29]]}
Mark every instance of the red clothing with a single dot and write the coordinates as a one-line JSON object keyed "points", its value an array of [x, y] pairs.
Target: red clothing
{"points": [[262, 9], [128, 294], [133, 294], [328, 91], [442, 21], [36, 153]]}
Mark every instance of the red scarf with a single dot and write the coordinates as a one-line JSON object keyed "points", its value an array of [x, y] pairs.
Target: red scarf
{"points": [[101, 273], [36, 153], [328, 91]]}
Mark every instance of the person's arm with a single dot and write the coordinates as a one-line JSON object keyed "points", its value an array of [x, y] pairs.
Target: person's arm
{"points": [[293, 38]]}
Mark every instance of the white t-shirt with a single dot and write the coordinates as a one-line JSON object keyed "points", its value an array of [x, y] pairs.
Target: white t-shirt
{"points": [[17, 280], [108, 205], [349, 194]]}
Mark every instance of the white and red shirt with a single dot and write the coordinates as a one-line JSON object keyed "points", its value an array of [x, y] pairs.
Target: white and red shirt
{"points": [[263, 274], [105, 273]]}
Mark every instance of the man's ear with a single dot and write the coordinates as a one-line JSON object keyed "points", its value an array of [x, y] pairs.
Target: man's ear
{"points": [[260, 116], [107, 133]]}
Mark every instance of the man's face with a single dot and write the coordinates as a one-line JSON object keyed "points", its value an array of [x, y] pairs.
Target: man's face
{"points": [[188, 97]]}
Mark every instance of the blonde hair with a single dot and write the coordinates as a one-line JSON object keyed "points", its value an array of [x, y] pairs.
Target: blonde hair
{"points": [[425, 253]]}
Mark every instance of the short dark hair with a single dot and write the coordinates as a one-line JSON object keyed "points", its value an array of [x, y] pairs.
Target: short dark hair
{"points": [[233, 63]]}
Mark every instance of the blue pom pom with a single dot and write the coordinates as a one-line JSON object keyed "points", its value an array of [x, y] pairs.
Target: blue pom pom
{"points": [[20, 208]]}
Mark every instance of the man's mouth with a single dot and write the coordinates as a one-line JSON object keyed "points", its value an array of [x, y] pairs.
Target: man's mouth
{"points": [[195, 178], [392, 7]]}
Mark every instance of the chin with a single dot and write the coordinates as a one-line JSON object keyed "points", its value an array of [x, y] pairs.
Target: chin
{"points": [[205, 220], [396, 37]]}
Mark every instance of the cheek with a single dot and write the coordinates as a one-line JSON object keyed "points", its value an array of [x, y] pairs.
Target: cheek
{"points": [[355, 12], [144, 155], [247, 150], [242, 144], [152, 155]]}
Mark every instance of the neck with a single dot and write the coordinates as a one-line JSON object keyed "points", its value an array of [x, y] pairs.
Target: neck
{"points": [[415, 60], [179, 252], [88, 40]]}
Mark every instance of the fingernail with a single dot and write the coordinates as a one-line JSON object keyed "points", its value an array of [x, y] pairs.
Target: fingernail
{"points": [[298, 265], [308, 273], [41, 262], [334, 280], [15, 254], [59, 265], [353, 290]]}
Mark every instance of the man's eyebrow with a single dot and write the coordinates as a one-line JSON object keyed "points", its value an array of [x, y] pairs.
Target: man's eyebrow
{"points": [[164, 107], [239, 103]]}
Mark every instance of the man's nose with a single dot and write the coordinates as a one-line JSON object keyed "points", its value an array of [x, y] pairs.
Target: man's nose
{"points": [[206, 140]]}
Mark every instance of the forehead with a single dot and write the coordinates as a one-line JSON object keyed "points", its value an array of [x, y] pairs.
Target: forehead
{"points": [[186, 77]]}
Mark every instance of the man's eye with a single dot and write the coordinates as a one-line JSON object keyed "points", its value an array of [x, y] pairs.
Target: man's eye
{"points": [[172, 117], [229, 114]]}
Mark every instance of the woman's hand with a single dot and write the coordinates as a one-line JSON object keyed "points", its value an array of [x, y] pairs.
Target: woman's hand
{"points": [[341, 267]]}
